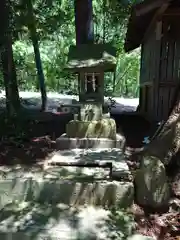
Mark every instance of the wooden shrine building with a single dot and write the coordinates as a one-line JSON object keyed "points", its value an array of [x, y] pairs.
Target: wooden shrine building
{"points": [[154, 25]]}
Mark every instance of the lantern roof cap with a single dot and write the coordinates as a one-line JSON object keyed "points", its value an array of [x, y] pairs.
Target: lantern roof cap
{"points": [[96, 57]]}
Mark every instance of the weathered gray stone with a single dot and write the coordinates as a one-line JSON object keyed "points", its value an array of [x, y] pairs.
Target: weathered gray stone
{"points": [[104, 128], [73, 193], [71, 185], [119, 165], [64, 142], [152, 188], [114, 156]]}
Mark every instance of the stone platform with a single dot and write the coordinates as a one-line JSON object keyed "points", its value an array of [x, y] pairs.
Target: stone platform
{"points": [[71, 185], [39, 202]]}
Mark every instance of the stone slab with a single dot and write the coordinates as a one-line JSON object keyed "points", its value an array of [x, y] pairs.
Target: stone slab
{"points": [[70, 192], [51, 170], [84, 143], [115, 156]]}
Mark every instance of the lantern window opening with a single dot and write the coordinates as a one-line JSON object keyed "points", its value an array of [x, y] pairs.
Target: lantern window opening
{"points": [[91, 82]]}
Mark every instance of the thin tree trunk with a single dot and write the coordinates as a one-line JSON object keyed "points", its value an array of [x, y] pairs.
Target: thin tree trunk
{"points": [[7, 61], [104, 21], [126, 88], [10, 79], [40, 72], [33, 34]]}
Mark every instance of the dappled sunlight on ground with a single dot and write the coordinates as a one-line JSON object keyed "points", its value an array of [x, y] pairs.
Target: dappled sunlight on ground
{"points": [[57, 222], [63, 222]]}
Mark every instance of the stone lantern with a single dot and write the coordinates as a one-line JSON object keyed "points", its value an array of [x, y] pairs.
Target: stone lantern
{"points": [[90, 62]]}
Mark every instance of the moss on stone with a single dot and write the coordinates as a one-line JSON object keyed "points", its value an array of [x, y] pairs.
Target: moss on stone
{"points": [[105, 128]]}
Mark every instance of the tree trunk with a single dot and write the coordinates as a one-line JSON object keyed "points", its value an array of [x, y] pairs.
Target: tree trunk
{"points": [[33, 34], [7, 61], [83, 21], [10, 79]]}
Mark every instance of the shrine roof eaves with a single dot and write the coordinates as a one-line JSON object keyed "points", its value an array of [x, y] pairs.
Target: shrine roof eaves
{"points": [[140, 19]]}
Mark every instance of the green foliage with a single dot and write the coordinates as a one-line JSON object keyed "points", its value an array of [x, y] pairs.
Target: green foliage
{"points": [[56, 32]]}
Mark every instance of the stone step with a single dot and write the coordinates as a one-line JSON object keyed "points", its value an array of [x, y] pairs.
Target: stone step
{"points": [[71, 192], [64, 202], [120, 169], [71, 185]]}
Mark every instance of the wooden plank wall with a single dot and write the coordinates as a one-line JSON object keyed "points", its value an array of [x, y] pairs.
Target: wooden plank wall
{"points": [[160, 69], [169, 71], [147, 74], [165, 98]]}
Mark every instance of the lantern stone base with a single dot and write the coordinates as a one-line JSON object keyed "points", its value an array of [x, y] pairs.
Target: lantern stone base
{"points": [[65, 142], [90, 134], [105, 128]]}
